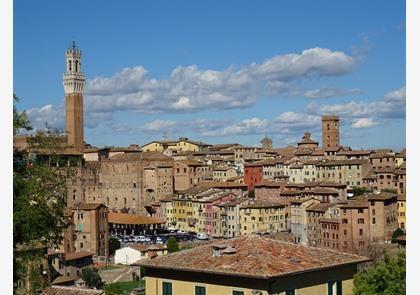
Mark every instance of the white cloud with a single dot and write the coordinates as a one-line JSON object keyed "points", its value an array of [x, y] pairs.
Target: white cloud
{"points": [[391, 106], [53, 116], [363, 123], [244, 127], [158, 126], [191, 89], [328, 92]]}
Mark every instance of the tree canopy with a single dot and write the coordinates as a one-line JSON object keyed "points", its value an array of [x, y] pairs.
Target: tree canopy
{"points": [[172, 245], [39, 193], [386, 277], [91, 278]]}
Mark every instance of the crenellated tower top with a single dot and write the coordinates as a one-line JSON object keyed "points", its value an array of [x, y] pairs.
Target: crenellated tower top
{"points": [[73, 78]]}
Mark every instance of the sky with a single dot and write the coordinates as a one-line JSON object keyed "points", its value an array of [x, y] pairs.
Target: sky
{"points": [[217, 72]]}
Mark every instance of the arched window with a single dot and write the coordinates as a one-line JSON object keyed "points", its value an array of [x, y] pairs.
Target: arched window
{"points": [[77, 64], [69, 65]]}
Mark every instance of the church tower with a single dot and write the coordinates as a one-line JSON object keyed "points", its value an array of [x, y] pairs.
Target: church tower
{"points": [[330, 131], [73, 83]]}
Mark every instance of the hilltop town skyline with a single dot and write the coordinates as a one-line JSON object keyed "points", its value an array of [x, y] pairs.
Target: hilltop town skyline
{"points": [[272, 76]]}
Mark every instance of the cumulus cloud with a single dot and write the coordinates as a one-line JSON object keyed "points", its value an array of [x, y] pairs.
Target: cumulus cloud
{"points": [[391, 106], [55, 116], [191, 89], [48, 114], [328, 92], [363, 123]]}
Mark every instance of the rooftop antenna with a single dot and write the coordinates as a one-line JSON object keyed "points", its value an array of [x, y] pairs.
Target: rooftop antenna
{"points": [[165, 135]]}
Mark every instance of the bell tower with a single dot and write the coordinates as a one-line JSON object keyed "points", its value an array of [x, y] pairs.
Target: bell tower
{"points": [[330, 131], [73, 83]]}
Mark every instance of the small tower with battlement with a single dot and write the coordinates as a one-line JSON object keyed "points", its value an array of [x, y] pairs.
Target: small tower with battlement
{"points": [[330, 131], [73, 83]]}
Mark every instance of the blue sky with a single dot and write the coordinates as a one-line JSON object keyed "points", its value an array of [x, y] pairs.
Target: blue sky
{"points": [[218, 72]]}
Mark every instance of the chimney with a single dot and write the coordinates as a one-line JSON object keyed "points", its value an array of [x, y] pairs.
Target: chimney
{"points": [[217, 249]]}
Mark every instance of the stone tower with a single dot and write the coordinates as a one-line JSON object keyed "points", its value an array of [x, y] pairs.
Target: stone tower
{"points": [[266, 143], [73, 82], [330, 131]]}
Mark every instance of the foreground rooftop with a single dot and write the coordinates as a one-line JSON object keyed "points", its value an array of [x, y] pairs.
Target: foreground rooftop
{"points": [[252, 256]]}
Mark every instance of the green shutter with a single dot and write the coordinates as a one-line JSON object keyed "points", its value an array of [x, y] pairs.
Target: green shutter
{"points": [[339, 288], [237, 292], [330, 288], [200, 290], [290, 292], [167, 288]]}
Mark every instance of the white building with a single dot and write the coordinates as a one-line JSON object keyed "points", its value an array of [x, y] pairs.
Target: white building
{"points": [[134, 252]]}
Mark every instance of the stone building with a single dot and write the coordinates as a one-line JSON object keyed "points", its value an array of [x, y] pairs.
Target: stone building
{"points": [[90, 221], [330, 131], [261, 217], [158, 181], [253, 174], [122, 180], [266, 143], [299, 219], [354, 226], [189, 173], [307, 142]]}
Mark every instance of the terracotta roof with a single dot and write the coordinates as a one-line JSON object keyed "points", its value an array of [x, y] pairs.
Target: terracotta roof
{"points": [[64, 279], [342, 162], [191, 162], [221, 184], [88, 206], [332, 148], [323, 191], [263, 204], [320, 207], [145, 247], [253, 256], [56, 290], [401, 197], [125, 218], [379, 155], [77, 255], [268, 183], [355, 204], [354, 153], [381, 196]]}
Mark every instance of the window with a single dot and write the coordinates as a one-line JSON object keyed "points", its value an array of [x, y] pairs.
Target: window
{"points": [[361, 232], [344, 221], [200, 290], [234, 292], [335, 286], [290, 292], [373, 220], [360, 221], [166, 288]]}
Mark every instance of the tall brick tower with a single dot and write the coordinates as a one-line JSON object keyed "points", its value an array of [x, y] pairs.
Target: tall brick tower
{"points": [[330, 131], [73, 82]]}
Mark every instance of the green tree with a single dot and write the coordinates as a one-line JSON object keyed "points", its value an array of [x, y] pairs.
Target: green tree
{"points": [[20, 119], [172, 245], [398, 232], [114, 245], [91, 278], [113, 289], [39, 192], [386, 277], [358, 191]]}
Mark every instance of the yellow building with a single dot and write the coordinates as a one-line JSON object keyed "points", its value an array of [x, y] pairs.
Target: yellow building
{"points": [[401, 212], [181, 145], [251, 265], [262, 217]]}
